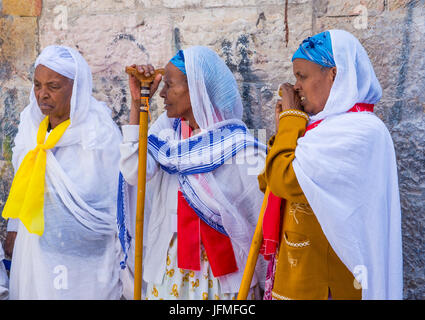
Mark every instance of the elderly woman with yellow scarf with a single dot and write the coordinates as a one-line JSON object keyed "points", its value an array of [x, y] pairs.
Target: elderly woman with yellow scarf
{"points": [[64, 190], [332, 226]]}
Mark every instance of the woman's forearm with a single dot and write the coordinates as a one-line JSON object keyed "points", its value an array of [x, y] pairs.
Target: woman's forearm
{"points": [[135, 112]]}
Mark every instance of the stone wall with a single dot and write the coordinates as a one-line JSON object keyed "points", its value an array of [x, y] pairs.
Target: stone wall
{"points": [[256, 38], [19, 47]]}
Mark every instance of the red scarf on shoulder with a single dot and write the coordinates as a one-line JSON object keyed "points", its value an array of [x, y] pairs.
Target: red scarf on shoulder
{"points": [[191, 230], [272, 214]]}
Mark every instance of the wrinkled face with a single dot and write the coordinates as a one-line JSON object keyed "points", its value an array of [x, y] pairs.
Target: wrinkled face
{"points": [[176, 93], [314, 84], [53, 92]]}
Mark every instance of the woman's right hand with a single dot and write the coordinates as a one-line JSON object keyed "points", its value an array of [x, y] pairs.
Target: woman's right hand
{"points": [[134, 84]]}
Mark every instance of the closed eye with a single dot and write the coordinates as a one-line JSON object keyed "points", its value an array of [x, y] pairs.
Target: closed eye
{"points": [[301, 76]]}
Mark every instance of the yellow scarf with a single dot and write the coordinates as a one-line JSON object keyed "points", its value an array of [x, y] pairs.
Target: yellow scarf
{"points": [[26, 196]]}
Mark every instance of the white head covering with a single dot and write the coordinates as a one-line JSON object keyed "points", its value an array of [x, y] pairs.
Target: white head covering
{"points": [[87, 114], [355, 80], [58, 59], [347, 169], [212, 101], [91, 128]]}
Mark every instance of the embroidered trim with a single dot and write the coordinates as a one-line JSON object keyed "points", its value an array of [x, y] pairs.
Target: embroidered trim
{"points": [[279, 297], [292, 112], [301, 208], [296, 244]]}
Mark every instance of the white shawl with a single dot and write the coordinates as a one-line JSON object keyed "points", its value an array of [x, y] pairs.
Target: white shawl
{"points": [[347, 169]]}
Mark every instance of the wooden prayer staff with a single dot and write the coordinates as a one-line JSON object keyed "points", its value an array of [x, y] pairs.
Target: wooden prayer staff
{"points": [[145, 83], [257, 240], [251, 262]]}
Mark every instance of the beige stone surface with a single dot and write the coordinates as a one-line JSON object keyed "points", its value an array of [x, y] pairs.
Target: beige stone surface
{"points": [[398, 4], [249, 36], [352, 8], [18, 50]]}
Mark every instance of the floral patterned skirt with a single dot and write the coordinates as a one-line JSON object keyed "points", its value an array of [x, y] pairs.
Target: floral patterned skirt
{"points": [[271, 270], [188, 284]]}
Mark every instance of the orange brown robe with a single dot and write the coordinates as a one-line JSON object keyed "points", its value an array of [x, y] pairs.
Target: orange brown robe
{"points": [[306, 265]]}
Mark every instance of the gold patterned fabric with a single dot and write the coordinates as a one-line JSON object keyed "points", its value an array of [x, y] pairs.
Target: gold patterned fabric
{"points": [[180, 284], [307, 267]]}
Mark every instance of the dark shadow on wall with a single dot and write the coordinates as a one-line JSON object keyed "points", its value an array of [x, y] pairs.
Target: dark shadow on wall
{"points": [[254, 90], [395, 114]]}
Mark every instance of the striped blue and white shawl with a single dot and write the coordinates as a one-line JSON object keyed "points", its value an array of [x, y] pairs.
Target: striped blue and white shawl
{"points": [[199, 154]]}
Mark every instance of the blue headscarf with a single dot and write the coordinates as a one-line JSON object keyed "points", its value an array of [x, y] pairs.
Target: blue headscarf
{"points": [[317, 49], [178, 61]]}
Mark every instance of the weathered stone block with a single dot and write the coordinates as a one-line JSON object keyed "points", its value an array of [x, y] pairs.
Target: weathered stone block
{"points": [[24, 8], [350, 8], [228, 3], [399, 4], [18, 40], [252, 41], [109, 6], [109, 42], [182, 4], [249, 3]]}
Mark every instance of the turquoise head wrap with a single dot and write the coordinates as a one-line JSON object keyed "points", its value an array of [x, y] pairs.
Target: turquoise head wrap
{"points": [[178, 61], [317, 49]]}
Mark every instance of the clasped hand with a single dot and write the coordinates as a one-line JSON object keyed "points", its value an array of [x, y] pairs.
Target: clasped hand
{"points": [[289, 100]]}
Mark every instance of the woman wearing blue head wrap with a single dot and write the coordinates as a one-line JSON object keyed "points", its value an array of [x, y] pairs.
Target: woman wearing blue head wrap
{"points": [[330, 151], [201, 227], [315, 70]]}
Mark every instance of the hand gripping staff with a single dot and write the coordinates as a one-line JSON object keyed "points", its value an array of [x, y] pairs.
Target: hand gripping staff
{"points": [[145, 83]]}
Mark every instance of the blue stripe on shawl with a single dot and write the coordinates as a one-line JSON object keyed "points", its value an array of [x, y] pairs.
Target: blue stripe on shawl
{"points": [[193, 145], [123, 235], [158, 149], [7, 264], [317, 49]]}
